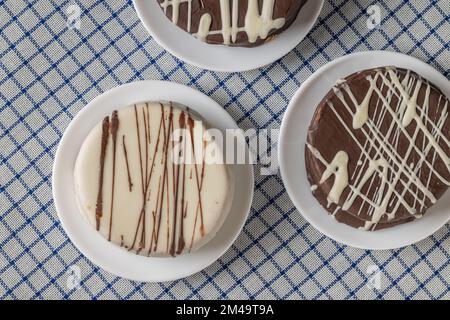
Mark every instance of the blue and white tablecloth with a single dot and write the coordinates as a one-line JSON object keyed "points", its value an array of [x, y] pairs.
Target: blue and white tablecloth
{"points": [[50, 69]]}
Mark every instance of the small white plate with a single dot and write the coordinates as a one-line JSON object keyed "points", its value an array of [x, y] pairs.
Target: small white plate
{"points": [[221, 58], [292, 157], [109, 256]]}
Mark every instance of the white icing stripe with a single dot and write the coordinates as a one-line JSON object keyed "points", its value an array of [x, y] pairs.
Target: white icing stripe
{"points": [[418, 167], [225, 19], [380, 138], [203, 27], [360, 163], [393, 168], [389, 149], [362, 109], [189, 22], [426, 133], [338, 168], [235, 18], [369, 158], [256, 25]]}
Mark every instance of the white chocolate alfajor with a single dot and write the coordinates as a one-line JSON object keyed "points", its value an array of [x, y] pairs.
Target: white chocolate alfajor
{"points": [[143, 180]]}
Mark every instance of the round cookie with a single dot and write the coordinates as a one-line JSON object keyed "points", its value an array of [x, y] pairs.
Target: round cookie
{"points": [[145, 182], [378, 148], [245, 23]]}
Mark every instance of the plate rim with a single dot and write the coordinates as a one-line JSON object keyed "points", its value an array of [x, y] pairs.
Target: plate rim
{"points": [[75, 239], [139, 7], [282, 147]]}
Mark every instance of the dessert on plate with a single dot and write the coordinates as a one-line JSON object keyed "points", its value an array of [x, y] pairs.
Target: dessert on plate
{"points": [[243, 23], [378, 148], [144, 182]]}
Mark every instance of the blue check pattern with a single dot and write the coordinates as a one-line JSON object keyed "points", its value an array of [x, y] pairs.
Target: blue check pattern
{"points": [[49, 71]]}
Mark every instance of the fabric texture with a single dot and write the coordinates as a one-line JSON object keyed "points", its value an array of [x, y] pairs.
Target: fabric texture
{"points": [[49, 72]]}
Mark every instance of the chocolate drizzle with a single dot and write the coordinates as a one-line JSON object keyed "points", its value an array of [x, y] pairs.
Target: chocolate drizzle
{"points": [[181, 242], [199, 180], [160, 191], [148, 176], [167, 137], [142, 216], [176, 170], [145, 190], [114, 128], [125, 153], [104, 143], [148, 123], [139, 146], [142, 181]]}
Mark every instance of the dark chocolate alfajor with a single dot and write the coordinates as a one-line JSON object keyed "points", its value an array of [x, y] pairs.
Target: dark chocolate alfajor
{"points": [[378, 147], [245, 23]]}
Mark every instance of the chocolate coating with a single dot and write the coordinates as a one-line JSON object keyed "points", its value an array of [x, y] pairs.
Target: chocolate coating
{"points": [[189, 14], [415, 151]]}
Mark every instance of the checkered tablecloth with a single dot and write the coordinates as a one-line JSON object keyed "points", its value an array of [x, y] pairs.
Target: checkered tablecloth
{"points": [[49, 71]]}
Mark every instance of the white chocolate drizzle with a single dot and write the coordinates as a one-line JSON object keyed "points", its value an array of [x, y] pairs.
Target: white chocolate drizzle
{"points": [[257, 24], [379, 156]]}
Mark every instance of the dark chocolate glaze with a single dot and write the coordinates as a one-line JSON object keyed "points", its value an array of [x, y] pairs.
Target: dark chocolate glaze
{"points": [[287, 9], [328, 136]]}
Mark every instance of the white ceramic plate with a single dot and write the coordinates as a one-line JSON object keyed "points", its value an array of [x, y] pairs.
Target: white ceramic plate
{"points": [[292, 158], [109, 256], [221, 58]]}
